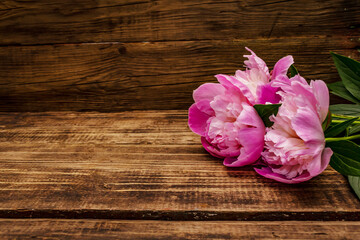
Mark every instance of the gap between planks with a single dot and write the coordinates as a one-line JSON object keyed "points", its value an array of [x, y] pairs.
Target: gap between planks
{"points": [[180, 215], [129, 229]]}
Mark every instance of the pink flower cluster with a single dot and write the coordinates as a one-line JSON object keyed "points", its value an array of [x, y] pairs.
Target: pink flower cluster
{"points": [[293, 149]]}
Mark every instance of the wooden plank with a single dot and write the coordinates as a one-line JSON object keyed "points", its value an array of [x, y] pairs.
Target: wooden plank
{"points": [[57, 21], [114, 229], [144, 165], [136, 76]]}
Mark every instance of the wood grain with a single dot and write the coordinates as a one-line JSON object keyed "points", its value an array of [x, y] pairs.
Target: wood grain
{"points": [[144, 165], [110, 77], [114, 229], [57, 21]]}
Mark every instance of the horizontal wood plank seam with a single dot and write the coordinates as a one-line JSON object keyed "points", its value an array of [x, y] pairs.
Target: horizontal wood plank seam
{"points": [[171, 40], [181, 215]]}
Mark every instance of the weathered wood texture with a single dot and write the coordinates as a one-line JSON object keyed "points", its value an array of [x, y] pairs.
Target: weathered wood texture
{"points": [[58, 21], [127, 76], [144, 165], [151, 54], [114, 229]]}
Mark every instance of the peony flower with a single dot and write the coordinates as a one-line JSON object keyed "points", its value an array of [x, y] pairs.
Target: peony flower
{"points": [[229, 126], [254, 82], [223, 115], [295, 144]]}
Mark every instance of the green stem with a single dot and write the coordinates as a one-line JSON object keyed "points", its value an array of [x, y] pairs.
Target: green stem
{"points": [[342, 138], [340, 121], [342, 116]]}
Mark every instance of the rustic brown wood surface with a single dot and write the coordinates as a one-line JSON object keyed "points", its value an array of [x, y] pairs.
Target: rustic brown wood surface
{"points": [[144, 174], [124, 229], [114, 55], [58, 21], [135, 76], [144, 165]]}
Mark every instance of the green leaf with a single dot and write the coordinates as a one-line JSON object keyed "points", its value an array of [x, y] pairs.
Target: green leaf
{"points": [[293, 71], [354, 129], [265, 111], [346, 157], [349, 71], [355, 184], [339, 128], [339, 89], [345, 109], [327, 121]]}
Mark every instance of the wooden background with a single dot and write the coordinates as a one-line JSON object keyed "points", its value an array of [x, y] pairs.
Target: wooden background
{"points": [[76, 163], [109, 56]]}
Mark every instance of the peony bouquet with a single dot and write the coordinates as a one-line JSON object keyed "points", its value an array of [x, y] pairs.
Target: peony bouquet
{"points": [[279, 123]]}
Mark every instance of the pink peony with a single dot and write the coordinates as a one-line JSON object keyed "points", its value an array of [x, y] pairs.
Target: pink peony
{"points": [[229, 126], [223, 114], [254, 82], [295, 145]]}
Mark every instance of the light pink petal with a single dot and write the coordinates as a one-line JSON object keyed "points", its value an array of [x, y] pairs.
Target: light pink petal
{"points": [[307, 96], [225, 80], [254, 62], [307, 125], [298, 78], [249, 116], [204, 106], [282, 66], [268, 94], [321, 93], [314, 167], [320, 162], [252, 141], [283, 82], [197, 120], [208, 147], [233, 86], [218, 153], [208, 91], [244, 88], [251, 138], [325, 158], [268, 173]]}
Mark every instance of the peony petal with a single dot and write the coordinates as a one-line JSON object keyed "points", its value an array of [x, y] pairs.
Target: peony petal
{"points": [[234, 87], [268, 94], [283, 82], [251, 138], [210, 148], [217, 153], [208, 91], [229, 161], [204, 106], [325, 158], [321, 93], [254, 62], [307, 125], [249, 116], [320, 162], [282, 66], [305, 95], [225, 80], [252, 141], [314, 167], [197, 120], [268, 173], [243, 86]]}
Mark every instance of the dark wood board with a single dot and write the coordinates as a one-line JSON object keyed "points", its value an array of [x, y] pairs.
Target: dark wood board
{"points": [[123, 229], [111, 77], [144, 165], [58, 21]]}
